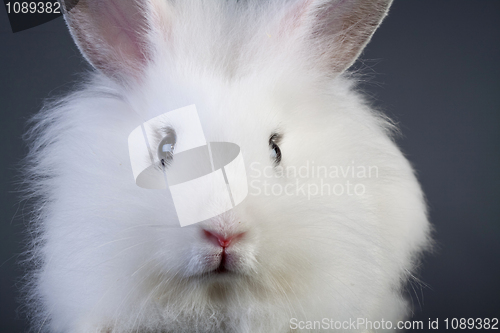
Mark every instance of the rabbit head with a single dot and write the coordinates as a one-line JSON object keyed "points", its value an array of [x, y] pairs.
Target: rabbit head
{"points": [[334, 218]]}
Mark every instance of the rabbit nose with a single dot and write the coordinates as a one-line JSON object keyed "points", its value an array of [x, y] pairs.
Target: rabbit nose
{"points": [[223, 241]]}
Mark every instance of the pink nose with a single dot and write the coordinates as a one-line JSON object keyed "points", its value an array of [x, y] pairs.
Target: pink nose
{"points": [[223, 241]]}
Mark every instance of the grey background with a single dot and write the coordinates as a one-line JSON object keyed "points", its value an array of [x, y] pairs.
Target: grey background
{"points": [[433, 66]]}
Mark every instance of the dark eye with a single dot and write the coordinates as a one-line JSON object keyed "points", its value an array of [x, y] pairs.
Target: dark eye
{"points": [[275, 149], [166, 147]]}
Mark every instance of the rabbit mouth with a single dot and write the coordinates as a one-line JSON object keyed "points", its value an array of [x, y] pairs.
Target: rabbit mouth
{"points": [[221, 265], [222, 268], [220, 254], [219, 272]]}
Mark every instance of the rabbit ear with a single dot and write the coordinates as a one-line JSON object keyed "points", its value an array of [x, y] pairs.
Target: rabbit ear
{"points": [[337, 30], [113, 34]]}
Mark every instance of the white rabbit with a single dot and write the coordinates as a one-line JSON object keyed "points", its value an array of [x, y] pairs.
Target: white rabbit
{"points": [[305, 246]]}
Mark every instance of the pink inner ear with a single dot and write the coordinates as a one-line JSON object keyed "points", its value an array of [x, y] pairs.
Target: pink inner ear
{"points": [[294, 18], [122, 27], [332, 11], [112, 35], [334, 31]]}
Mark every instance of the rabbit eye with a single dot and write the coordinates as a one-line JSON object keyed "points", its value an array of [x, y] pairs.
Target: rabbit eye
{"points": [[275, 149], [166, 147]]}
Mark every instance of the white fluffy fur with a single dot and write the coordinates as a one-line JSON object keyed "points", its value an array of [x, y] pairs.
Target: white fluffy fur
{"points": [[111, 257]]}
